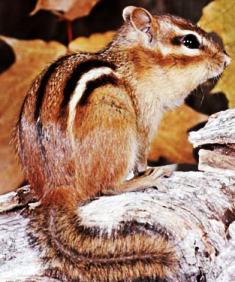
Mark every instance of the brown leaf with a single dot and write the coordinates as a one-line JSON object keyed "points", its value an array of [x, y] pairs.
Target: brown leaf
{"points": [[171, 141], [66, 9], [31, 58]]}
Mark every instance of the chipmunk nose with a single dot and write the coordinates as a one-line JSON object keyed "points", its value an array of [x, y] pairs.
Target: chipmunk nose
{"points": [[227, 59]]}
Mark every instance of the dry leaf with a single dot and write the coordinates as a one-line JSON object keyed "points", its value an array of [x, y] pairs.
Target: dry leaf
{"points": [[171, 140], [219, 17], [31, 58], [66, 9], [94, 43]]}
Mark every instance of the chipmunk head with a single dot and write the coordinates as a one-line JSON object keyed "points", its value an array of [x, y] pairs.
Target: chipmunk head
{"points": [[180, 53]]}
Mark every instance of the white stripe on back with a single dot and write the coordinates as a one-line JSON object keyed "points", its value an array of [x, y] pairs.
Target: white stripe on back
{"points": [[79, 90]]}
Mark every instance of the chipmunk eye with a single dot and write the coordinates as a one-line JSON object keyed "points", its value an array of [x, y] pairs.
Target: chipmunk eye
{"points": [[190, 41]]}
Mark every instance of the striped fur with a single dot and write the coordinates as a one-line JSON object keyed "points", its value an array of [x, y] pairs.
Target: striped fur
{"points": [[76, 75], [81, 90], [39, 100], [93, 84]]}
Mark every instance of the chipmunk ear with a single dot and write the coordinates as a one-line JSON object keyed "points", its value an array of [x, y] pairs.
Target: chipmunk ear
{"points": [[140, 19]]}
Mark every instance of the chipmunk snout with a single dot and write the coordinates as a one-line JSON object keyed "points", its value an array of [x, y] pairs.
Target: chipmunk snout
{"points": [[227, 59]]}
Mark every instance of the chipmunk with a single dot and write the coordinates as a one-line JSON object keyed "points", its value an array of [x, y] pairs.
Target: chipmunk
{"points": [[87, 121]]}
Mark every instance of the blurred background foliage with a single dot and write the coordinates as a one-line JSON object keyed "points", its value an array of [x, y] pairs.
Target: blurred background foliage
{"points": [[34, 33]]}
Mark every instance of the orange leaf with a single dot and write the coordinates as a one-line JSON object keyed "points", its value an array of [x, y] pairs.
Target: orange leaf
{"points": [[171, 141], [31, 58]]}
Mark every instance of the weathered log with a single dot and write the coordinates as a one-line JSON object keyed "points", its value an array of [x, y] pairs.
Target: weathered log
{"points": [[216, 140], [196, 209], [220, 129]]}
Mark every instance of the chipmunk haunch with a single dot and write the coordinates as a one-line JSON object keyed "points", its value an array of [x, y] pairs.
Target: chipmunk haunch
{"points": [[87, 121]]}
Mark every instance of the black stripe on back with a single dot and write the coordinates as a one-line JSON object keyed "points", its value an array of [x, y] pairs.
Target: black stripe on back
{"points": [[43, 84], [81, 69], [93, 84], [40, 97]]}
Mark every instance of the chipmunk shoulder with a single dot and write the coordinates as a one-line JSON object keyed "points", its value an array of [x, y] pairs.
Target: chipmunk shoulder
{"points": [[87, 122]]}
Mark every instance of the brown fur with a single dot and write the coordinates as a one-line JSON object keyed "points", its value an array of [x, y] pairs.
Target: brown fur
{"points": [[108, 138]]}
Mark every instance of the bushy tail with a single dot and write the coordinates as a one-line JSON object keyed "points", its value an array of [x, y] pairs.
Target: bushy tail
{"points": [[74, 252]]}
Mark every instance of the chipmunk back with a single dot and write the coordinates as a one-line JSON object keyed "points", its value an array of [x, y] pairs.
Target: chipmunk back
{"points": [[88, 121]]}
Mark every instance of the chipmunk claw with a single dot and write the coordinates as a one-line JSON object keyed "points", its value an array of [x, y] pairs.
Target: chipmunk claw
{"points": [[156, 174], [161, 171]]}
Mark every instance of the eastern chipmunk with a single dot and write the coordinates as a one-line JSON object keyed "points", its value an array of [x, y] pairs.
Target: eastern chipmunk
{"points": [[87, 121]]}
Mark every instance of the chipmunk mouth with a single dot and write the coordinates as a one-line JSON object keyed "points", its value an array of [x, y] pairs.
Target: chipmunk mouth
{"points": [[227, 60], [215, 72]]}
